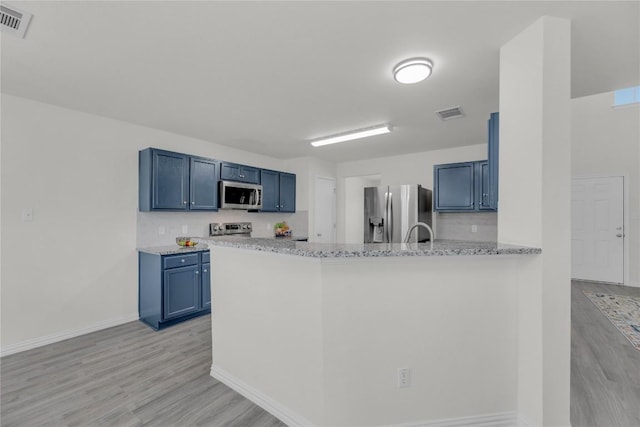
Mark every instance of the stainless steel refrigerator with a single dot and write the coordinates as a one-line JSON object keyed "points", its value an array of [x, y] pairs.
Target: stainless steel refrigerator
{"points": [[390, 211]]}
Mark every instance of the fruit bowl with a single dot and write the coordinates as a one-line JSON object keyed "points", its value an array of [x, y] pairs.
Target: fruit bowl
{"points": [[185, 241]]}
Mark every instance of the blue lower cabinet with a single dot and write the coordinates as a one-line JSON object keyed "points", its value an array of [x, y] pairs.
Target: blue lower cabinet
{"points": [[206, 286], [173, 288], [181, 291]]}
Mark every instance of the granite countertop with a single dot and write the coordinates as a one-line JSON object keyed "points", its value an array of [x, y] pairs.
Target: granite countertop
{"points": [[174, 249], [327, 250]]}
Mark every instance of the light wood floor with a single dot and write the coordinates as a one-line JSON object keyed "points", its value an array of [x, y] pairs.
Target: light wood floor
{"points": [[605, 368], [130, 375]]}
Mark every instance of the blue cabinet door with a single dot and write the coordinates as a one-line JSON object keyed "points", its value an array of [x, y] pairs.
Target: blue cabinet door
{"points": [[206, 285], [169, 180], [229, 171], [250, 174], [287, 192], [494, 158], [454, 186], [270, 190], [181, 291], [241, 173], [203, 184], [482, 186]]}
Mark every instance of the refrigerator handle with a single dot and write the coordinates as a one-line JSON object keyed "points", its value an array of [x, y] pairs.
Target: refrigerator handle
{"points": [[386, 214], [390, 214]]}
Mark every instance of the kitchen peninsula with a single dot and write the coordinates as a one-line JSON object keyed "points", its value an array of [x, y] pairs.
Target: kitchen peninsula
{"points": [[317, 333]]}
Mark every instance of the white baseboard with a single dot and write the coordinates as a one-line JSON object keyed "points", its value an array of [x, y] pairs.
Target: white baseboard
{"points": [[292, 419], [503, 419], [61, 336], [275, 408]]}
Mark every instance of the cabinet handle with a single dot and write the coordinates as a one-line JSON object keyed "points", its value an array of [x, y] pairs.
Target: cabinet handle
{"points": [[185, 202], [197, 272], [205, 271], [182, 260], [193, 203]]}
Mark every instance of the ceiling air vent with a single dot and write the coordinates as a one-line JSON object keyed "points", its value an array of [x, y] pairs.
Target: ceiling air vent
{"points": [[450, 113], [14, 21]]}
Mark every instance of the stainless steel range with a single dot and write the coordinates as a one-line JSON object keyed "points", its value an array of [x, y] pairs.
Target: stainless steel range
{"points": [[230, 229]]}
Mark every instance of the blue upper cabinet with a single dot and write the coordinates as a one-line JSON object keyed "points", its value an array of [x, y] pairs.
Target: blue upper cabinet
{"points": [[270, 190], [278, 191], [287, 192], [469, 186], [454, 186], [241, 173], [203, 184], [494, 159], [163, 180], [483, 186], [462, 187], [171, 181]]}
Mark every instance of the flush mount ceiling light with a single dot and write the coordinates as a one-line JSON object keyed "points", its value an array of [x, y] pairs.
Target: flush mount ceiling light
{"points": [[412, 70], [356, 134]]}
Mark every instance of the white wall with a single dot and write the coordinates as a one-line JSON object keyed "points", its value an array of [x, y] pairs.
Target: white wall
{"points": [[534, 209], [74, 267], [330, 350], [307, 169], [606, 141], [415, 168]]}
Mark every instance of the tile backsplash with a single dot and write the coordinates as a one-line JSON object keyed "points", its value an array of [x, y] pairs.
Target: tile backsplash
{"points": [[151, 224], [458, 226]]}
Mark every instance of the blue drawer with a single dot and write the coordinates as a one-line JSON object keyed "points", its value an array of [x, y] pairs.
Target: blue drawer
{"points": [[206, 256], [180, 260]]}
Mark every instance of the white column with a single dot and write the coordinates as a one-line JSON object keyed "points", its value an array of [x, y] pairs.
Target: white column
{"points": [[534, 209]]}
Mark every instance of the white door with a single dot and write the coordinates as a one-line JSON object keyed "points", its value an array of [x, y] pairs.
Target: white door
{"points": [[597, 229], [324, 211]]}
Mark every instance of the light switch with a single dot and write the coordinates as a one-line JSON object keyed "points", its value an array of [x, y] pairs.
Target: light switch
{"points": [[185, 229], [161, 229], [27, 214]]}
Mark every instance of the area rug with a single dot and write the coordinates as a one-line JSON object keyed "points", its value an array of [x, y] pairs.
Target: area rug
{"points": [[622, 311]]}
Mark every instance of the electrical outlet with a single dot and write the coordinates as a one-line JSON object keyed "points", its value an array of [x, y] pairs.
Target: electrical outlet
{"points": [[403, 377], [185, 229], [27, 214], [474, 228], [161, 230]]}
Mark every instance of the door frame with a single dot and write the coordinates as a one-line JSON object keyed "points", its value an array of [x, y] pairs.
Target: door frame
{"points": [[316, 178], [625, 221]]}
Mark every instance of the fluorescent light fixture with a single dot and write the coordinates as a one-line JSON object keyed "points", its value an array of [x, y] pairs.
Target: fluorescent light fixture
{"points": [[357, 134], [412, 70]]}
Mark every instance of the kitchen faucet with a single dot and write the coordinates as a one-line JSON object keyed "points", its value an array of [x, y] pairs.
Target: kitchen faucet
{"points": [[420, 224]]}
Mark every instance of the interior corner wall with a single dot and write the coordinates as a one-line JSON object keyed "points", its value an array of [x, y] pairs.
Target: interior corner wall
{"points": [[534, 210], [605, 141], [74, 266]]}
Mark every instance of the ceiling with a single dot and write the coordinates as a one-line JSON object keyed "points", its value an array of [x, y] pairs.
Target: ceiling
{"points": [[269, 76]]}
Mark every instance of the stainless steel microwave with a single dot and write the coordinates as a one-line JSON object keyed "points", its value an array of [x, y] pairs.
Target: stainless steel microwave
{"points": [[239, 195]]}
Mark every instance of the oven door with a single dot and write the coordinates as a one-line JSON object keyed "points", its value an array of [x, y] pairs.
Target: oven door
{"points": [[237, 195]]}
